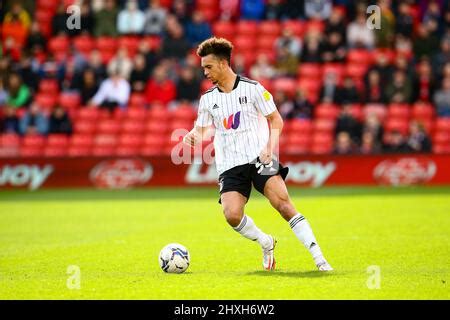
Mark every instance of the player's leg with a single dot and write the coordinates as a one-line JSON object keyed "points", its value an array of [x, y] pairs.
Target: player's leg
{"points": [[276, 191], [233, 204]]}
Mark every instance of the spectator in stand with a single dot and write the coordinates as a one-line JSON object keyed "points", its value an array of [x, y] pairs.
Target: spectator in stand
{"points": [[312, 48], [59, 21], [396, 143], [358, 35], [10, 122], [139, 75], [155, 18], [86, 84], [33, 121], [399, 90], [131, 20], [238, 64], [87, 20], [96, 65], [385, 35], [5, 68], [16, 24], [197, 29], [424, 83], [121, 63], [301, 108], [286, 64], [11, 49], [318, 9], [344, 144], [229, 9], [374, 92], [160, 88], [150, 55], [113, 92], [36, 41], [334, 48], [348, 123], [404, 21], [348, 93], [290, 41], [440, 59], [274, 10], [106, 20], [336, 24], [262, 69], [425, 43], [442, 99], [175, 45], [432, 17], [3, 94], [372, 124], [383, 67], [59, 121], [252, 9], [403, 46], [18, 92], [369, 144], [293, 10], [283, 103], [52, 69], [329, 92], [181, 11], [188, 86], [418, 140]]}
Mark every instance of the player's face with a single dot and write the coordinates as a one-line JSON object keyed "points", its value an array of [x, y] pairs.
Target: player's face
{"points": [[212, 68]]}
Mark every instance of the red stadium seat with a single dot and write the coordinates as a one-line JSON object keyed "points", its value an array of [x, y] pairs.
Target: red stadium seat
{"points": [[287, 85], [443, 124], [69, 100], [31, 151], [34, 141], [131, 43], [326, 111], [442, 138], [210, 14], [108, 44], [359, 56], [76, 151], [297, 27], [127, 151], [224, 29], [108, 126], [379, 110], [131, 140], [88, 114], [244, 43], [311, 71], [401, 111], [156, 141], [136, 113], [137, 100], [103, 151], [422, 111], [303, 126], [48, 86], [84, 44], [400, 125], [59, 44], [315, 25], [335, 68], [269, 28], [158, 112], [184, 112], [51, 151], [9, 140], [356, 70], [82, 140], [157, 126], [266, 43], [323, 125], [105, 140], [46, 100], [133, 126], [57, 140], [441, 148], [247, 28], [85, 127]]}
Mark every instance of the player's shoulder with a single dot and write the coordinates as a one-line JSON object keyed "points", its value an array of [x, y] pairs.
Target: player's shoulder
{"points": [[247, 80], [211, 90]]}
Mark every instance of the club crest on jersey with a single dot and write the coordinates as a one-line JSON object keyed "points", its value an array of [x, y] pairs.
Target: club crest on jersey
{"points": [[233, 121], [243, 100]]}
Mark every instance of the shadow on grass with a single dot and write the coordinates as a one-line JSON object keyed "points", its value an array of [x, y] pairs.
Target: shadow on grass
{"points": [[294, 274]]}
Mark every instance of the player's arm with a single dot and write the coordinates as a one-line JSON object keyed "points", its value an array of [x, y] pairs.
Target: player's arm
{"points": [[195, 136], [276, 126], [203, 123]]}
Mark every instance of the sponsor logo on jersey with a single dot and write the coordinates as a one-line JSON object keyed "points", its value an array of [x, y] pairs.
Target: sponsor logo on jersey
{"points": [[243, 100], [233, 121]]}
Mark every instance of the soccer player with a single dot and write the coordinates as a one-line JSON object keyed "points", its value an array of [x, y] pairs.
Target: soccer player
{"points": [[240, 110]]}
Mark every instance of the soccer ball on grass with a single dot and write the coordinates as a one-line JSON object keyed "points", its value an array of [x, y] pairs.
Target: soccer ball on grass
{"points": [[174, 258]]}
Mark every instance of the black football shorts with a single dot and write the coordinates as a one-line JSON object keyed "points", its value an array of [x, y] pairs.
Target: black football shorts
{"points": [[241, 178]]}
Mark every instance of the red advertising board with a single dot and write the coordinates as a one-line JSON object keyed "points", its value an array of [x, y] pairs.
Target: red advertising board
{"points": [[312, 171]]}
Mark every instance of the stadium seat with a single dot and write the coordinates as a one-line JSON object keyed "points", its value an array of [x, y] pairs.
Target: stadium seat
{"points": [[422, 111], [210, 13], [131, 43], [246, 28], [105, 140], [303, 126], [133, 126], [82, 140], [442, 124], [48, 86], [156, 141], [51, 151], [311, 71], [441, 148], [326, 111], [400, 125], [184, 112], [287, 85], [126, 151], [130, 140], [84, 44], [33, 141], [69, 100], [57, 140], [76, 151], [441, 137], [224, 29], [31, 152], [379, 110], [88, 114], [269, 28], [59, 44], [336, 68], [359, 56], [109, 126], [315, 25], [84, 127], [103, 151], [401, 111], [244, 43], [297, 27], [158, 112], [135, 113], [46, 100], [137, 100], [9, 140], [266, 43], [323, 125]]}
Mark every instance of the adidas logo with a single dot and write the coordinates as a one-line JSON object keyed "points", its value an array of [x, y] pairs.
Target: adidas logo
{"points": [[216, 106], [312, 245]]}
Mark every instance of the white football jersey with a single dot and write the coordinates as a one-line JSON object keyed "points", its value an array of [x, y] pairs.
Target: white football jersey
{"points": [[241, 129]]}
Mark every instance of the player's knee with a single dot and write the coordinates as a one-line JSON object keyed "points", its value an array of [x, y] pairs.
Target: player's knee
{"points": [[233, 216], [284, 206]]}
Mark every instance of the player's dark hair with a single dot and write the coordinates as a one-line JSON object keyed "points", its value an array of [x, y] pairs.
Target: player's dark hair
{"points": [[219, 47]]}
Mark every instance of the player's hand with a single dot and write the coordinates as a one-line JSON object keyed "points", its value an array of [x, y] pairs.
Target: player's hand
{"points": [[265, 157], [191, 138]]}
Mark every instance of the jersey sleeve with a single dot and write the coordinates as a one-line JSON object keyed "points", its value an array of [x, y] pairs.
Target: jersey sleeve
{"points": [[263, 100], [204, 118]]}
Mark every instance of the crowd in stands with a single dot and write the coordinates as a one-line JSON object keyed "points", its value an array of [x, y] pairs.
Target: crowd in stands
{"points": [[319, 59]]}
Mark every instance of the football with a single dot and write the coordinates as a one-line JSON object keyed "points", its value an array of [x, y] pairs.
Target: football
{"points": [[174, 258]]}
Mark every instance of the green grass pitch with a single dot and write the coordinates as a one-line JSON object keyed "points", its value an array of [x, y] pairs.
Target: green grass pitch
{"points": [[114, 238]]}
